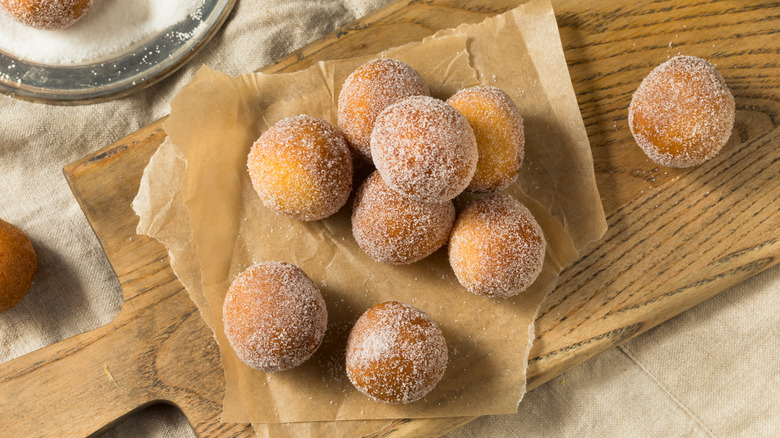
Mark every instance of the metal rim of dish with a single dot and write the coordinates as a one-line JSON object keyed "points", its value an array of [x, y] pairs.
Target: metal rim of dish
{"points": [[117, 77]]}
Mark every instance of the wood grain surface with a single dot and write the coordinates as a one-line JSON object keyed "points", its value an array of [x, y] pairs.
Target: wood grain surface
{"points": [[675, 238]]}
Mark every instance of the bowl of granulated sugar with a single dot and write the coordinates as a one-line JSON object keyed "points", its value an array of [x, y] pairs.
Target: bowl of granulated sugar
{"points": [[117, 47]]}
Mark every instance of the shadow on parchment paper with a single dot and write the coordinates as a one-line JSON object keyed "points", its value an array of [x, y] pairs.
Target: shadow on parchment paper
{"points": [[331, 355], [55, 308], [571, 31], [606, 132]]}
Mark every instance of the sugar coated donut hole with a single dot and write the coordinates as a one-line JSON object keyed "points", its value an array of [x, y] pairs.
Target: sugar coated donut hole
{"points": [[498, 128], [396, 353], [46, 14], [17, 265], [424, 149], [274, 316], [682, 113], [496, 247], [301, 167], [370, 89], [394, 229]]}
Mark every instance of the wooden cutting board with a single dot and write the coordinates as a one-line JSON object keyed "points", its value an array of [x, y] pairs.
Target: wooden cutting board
{"points": [[675, 238]]}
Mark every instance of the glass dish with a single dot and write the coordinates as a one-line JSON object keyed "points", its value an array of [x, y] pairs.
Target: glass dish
{"points": [[125, 73]]}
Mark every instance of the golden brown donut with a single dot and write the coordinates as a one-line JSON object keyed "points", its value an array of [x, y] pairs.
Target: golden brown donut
{"points": [[274, 316], [371, 88], [496, 247], [498, 127], [394, 229], [301, 167], [682, 113], [17, 265], [396, 353], [424, 149], [46, 14]]}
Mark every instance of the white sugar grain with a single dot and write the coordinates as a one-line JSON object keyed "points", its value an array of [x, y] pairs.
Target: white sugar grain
{"points": [[398, 230], [424, 149], [274, 316], [682, 113], [370, 89], [497, 248], [396, 353]]}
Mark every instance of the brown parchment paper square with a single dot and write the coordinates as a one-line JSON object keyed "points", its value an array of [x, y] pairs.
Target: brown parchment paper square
{"points": [[197, 199]]}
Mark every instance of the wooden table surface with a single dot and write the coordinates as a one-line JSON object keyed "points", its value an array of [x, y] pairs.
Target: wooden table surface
{"points": [[676, 237]]}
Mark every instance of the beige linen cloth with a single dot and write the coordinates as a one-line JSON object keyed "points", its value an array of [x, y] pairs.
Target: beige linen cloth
{"points": [[712, 371]]}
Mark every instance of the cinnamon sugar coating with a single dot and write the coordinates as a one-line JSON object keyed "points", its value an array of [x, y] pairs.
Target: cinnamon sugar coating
{"points": [[498, 128], [682, 113], [274, 316], [396, 353], [46, 14], [371, 88], [424, 149], [17, 265], [301, 167], [496, 247]]}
